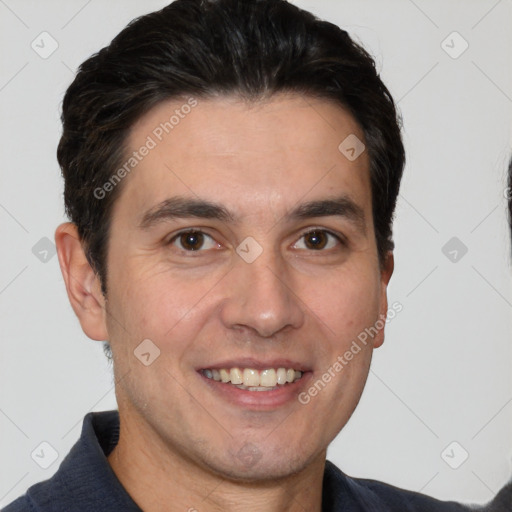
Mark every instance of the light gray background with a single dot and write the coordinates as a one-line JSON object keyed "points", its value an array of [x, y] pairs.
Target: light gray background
{"points": [[444, 372]]}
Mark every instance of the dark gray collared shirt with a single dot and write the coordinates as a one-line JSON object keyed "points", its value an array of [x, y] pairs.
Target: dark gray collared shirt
{"points": [[85, 482]]}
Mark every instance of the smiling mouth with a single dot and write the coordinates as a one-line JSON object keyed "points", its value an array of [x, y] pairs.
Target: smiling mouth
{"points": [[251, 379]]}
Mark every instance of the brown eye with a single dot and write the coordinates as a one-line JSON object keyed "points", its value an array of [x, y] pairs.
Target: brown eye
{"points": [[192, 241], [316, 239]]}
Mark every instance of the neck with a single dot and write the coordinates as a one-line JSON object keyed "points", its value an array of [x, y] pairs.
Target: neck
{"points": [[160, 478]]}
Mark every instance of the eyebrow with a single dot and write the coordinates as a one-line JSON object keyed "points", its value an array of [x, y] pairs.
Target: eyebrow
{"points": [[183, 207], [341, 206]]}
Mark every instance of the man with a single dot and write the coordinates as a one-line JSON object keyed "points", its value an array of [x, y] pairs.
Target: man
{"points": [[231, 171]]}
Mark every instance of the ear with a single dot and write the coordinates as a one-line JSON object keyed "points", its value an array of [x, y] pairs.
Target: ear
{"points": [[385, 275], [82, 284]]}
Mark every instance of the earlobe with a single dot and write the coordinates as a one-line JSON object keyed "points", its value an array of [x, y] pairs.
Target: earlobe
{"points": [[82, 284], [385, 276]]}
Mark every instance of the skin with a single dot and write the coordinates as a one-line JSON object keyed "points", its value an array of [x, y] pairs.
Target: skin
{"points": [[181, 441]]}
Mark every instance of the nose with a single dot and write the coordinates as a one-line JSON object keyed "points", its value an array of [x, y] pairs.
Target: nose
{"points": [[260, 297]]}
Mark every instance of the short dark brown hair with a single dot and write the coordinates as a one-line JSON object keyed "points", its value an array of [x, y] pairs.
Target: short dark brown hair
{"points": [[251, 49]]}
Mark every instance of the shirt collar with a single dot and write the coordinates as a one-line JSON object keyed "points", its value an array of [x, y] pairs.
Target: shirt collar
{"points": [[87, 480]]}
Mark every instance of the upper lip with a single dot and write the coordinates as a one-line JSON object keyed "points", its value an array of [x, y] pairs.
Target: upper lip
{"points": [[257, 364]]}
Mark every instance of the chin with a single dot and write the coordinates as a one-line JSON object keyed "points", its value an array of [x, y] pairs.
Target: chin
{"points": [[250, 465]]}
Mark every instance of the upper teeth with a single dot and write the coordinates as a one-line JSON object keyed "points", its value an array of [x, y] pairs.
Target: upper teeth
{"points": [[250, 377]]}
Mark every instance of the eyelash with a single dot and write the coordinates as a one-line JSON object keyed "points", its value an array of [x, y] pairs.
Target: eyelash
{"points": [[338, 238]]}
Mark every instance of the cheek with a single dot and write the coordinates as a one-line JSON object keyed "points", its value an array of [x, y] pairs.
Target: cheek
{"points": [[347, 302], [157, 304]]}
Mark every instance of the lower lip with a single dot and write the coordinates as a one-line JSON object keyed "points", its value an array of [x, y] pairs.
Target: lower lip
{"points": [[258, 400]]}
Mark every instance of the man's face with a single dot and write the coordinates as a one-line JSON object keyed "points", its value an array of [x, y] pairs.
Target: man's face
{"points": [[249, 288]]}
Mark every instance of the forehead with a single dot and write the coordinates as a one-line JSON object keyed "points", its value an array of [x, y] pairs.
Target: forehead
{"points": [[254, 156]]}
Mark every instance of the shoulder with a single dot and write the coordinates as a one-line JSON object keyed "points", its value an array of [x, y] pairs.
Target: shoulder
{"points": [[84, 479], [396, 498], [502, 502], [22, 504], [364, 494]]}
